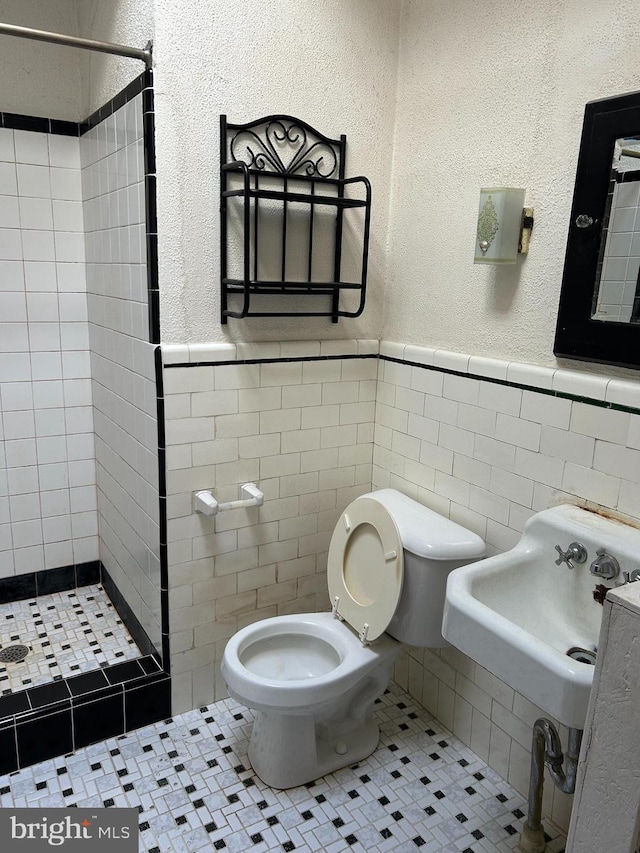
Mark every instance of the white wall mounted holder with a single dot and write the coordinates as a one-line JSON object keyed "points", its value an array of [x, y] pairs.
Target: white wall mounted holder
{"points": [[204, 502]]}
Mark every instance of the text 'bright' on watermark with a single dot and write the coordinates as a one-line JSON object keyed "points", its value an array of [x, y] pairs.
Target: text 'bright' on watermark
{"points": [[76, 830]]}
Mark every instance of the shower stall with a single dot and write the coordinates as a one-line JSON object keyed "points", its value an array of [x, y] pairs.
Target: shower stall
{"points": [[83, 586]]}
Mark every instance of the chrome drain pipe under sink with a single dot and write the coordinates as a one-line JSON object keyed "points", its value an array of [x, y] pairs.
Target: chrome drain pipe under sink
{"points": [[546, 749]]}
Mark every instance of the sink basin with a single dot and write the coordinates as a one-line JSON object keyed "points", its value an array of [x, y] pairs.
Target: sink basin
{"points": [[518, 614]]}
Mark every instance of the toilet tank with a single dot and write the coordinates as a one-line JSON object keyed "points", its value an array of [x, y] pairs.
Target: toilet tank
{"points": [[433, 547]]}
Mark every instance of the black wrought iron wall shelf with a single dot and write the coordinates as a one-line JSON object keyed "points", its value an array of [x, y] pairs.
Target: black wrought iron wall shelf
{"points": [[283, 199]]}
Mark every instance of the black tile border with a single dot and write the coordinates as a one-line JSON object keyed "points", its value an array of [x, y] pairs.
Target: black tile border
{"points": [[602, 404], [36, 124], [87, 708], [548, 392], [131, 621], [150, 204], [47, 581], [41, 722], [124, 96], [628, 177], [39, 124], [280, 360], [162, 512]]}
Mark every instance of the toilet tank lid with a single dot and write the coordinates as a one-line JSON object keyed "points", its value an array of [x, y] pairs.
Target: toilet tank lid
{"points": [[426, 533]]}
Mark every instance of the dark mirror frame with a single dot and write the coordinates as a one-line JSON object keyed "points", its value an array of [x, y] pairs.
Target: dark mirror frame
{"points": [[577, 335]]}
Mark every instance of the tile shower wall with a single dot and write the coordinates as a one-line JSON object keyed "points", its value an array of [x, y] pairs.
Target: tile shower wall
{"points": [[47, 472], [303, 430], [621, 261], [489, 453], [122, 360]]}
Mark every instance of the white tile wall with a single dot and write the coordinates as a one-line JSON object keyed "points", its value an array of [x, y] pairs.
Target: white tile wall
{"points": [[47, 472], [304, 432], [492, 455], [122, 360], [483, 452], [621, 261]]}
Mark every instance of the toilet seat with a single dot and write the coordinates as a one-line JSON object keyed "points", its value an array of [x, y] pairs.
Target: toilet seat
{"points": [[365, 568]]}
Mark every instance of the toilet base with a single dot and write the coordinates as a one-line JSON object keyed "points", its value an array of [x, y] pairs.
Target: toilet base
{"points": [[287, 751]]}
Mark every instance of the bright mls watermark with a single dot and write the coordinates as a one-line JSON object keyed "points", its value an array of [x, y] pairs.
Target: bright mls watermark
{"points": [[78, 829]]}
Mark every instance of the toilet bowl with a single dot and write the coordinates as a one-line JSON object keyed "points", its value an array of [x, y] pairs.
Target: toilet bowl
{"points": [[313, 678]]}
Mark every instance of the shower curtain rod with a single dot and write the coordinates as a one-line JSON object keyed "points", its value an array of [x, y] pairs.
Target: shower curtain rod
{"points": [[143, 54]]}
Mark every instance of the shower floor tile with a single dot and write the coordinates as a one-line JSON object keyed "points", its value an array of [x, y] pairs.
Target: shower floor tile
{"points": [[67, 633], [190, 779]]}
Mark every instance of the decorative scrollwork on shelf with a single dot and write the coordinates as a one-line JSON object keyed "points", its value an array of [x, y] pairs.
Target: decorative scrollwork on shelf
{"points": [[285, 147]]}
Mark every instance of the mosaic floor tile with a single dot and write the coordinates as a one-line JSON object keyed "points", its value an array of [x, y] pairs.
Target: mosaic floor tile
{"points": [[67, 633], [421, 790]]}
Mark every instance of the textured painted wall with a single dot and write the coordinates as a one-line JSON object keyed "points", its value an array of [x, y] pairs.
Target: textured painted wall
{"points": [[330, 63], [35, 78], [127, 22], [493, 96], [64, 82]]}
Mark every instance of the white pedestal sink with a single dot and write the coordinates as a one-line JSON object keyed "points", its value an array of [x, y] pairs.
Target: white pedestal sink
{"points": [[518, 614]]}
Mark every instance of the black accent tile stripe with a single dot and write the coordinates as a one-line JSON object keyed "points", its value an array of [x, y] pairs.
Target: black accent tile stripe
{"points": [[147, 703], [37, 124], [18, 588], [8, 748], [87, 682], [127, 615], [150, 203], [98, 720], [86, 709], [49, 694], [162, 511], [15, 703], [148, 119], [44, 738], [166, 649], [119, 672], [628, 177], [55, 580], [148, 98], [162, 469], [47, 581], [280, 360], [127, 94], [153, 297], [601, 404]]}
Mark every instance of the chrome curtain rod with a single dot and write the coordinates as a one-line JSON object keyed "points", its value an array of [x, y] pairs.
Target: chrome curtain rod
{"points": [[144, 54]]}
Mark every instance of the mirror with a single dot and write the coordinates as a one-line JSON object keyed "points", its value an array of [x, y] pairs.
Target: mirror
{"points": [[599, 313]]}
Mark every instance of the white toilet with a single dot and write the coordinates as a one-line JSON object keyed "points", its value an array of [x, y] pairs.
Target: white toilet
{"points": [[313, 678]]}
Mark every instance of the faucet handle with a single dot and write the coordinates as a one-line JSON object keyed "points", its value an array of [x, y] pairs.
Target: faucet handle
{"points": [[605, 565], [629, 577], [575, 551]]}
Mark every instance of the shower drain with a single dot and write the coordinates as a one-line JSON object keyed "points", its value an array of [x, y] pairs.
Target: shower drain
{"points": [[13, 654], [579, 654]]}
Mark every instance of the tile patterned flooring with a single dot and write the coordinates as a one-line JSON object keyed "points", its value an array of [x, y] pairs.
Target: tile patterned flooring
{"points": [[68, 633], [190, 779]]}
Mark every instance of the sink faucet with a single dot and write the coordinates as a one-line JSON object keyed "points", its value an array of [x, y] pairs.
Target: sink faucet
{"points": [[575, 551], [605, 566], [629, 577]]}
